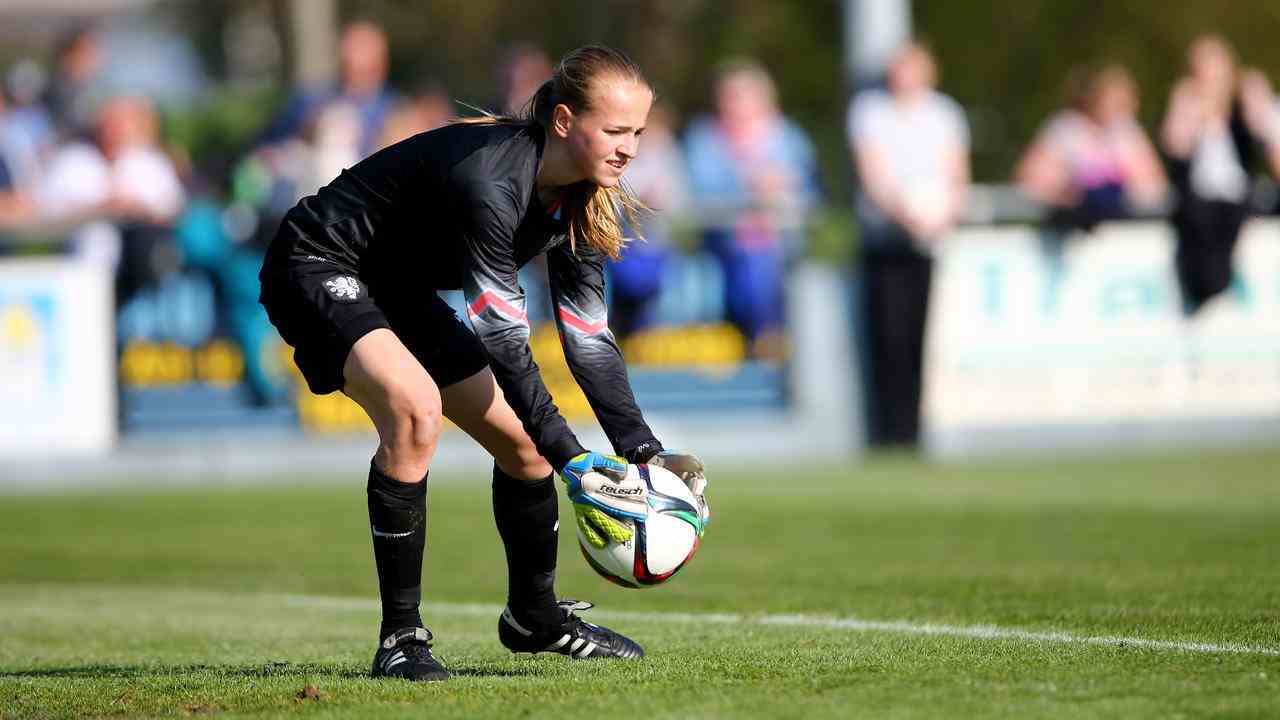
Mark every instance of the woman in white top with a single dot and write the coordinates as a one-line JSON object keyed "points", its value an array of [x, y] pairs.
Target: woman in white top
{"points": [[1092, 161], [909, 144], [1208, 135]]}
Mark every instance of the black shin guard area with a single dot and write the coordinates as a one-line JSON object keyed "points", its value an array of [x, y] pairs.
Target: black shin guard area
{"points": [[398, 520], [528, 516]]}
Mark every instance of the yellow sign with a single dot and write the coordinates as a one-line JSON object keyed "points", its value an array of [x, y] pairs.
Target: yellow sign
{"points": [[149, 365], [708, 347]]}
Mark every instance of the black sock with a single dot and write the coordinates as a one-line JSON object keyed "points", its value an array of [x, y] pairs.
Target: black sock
{"points": [[398, 518], [528, 515]]}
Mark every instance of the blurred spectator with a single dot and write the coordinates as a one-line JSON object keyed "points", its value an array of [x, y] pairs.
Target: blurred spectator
{"points": [[657, 177], [276, 176], [1261, 112], [363, 60], [71, 95], [1210, 145], [519, 73], [335, 138], [1092, 161], [75, 183], [910, 147], [26, 131], [146, 194], [426, 110], [523, 70], [75, 187], [144, 182], [752, 175], [125, 178]]}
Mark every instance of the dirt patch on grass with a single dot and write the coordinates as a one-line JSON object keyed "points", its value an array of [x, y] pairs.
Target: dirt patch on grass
{"points": [[310, 693]]}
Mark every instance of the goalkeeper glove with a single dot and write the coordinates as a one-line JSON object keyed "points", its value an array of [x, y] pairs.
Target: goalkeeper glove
{"points": [[688, 468], [600, 529], [604, 497]]}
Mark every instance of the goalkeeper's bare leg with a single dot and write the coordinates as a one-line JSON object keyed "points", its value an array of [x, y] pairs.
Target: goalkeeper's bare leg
{"points": [[403, 402]]}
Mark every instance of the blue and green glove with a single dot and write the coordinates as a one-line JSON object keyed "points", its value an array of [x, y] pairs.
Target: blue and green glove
{"points": [[604, 497]]}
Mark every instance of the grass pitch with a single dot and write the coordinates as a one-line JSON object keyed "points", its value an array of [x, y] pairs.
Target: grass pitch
{"points": [[887, 589]]}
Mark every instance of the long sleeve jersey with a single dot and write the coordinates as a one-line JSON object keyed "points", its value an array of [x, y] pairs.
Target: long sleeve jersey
{"points": [[457, 208]]}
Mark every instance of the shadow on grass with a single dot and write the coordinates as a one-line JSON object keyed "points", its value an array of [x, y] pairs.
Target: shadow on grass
{"points": [[302, 671]]}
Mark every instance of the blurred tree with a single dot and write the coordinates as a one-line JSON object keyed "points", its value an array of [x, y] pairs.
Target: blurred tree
{"points": [[1005, 61], [678, 42]]}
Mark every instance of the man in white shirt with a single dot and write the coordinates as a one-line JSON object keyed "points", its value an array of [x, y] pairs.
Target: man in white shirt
{"points": [[910, 147], [124, 188]]}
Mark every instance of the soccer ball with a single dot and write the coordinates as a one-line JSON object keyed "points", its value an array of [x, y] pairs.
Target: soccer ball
{"points": [[662, 543]]}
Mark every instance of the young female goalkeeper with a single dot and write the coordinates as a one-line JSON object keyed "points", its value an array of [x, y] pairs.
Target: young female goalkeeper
{"points": [[350, 281]]}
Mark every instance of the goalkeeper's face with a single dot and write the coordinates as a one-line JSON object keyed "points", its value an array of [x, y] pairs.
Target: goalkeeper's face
{"points": [[605, 136]]}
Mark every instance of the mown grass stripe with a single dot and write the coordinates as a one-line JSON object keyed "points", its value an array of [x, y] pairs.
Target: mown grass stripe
{"points": [[904, 627]]}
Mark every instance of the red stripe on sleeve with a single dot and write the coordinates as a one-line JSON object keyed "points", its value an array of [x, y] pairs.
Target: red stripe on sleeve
{"points": [[490, 298], [576, 322]]}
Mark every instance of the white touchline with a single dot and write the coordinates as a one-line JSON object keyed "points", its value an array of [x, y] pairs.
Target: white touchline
{"points": [[902, 627]]}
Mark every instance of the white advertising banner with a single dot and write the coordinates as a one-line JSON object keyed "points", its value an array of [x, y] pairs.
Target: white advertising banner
{"points": [[1027, 332], [57, 379]]}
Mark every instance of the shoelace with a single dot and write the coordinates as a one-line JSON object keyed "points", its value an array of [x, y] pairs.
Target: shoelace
{"points": [[571, 608], [595, 636], [586, 636], [408, 637], [418, 651], [407, 646]]}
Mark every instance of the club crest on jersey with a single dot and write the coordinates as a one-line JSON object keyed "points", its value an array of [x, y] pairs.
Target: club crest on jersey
{"points": [[343, 287]]}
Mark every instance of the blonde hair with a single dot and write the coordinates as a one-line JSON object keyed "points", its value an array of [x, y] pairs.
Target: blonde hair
{"points": [[595, 213]]}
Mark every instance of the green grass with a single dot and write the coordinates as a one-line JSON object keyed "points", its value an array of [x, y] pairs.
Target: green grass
{"points": [[231, 600]]}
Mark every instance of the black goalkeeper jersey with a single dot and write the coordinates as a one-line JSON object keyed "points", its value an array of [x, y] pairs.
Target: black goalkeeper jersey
{"points": [[457, 208]]}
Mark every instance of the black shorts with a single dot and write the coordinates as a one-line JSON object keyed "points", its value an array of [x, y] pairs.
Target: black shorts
{"points": [[322, 309]]}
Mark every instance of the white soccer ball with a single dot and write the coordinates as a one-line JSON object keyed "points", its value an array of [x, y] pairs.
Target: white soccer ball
{"points": [[661, 545]]}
